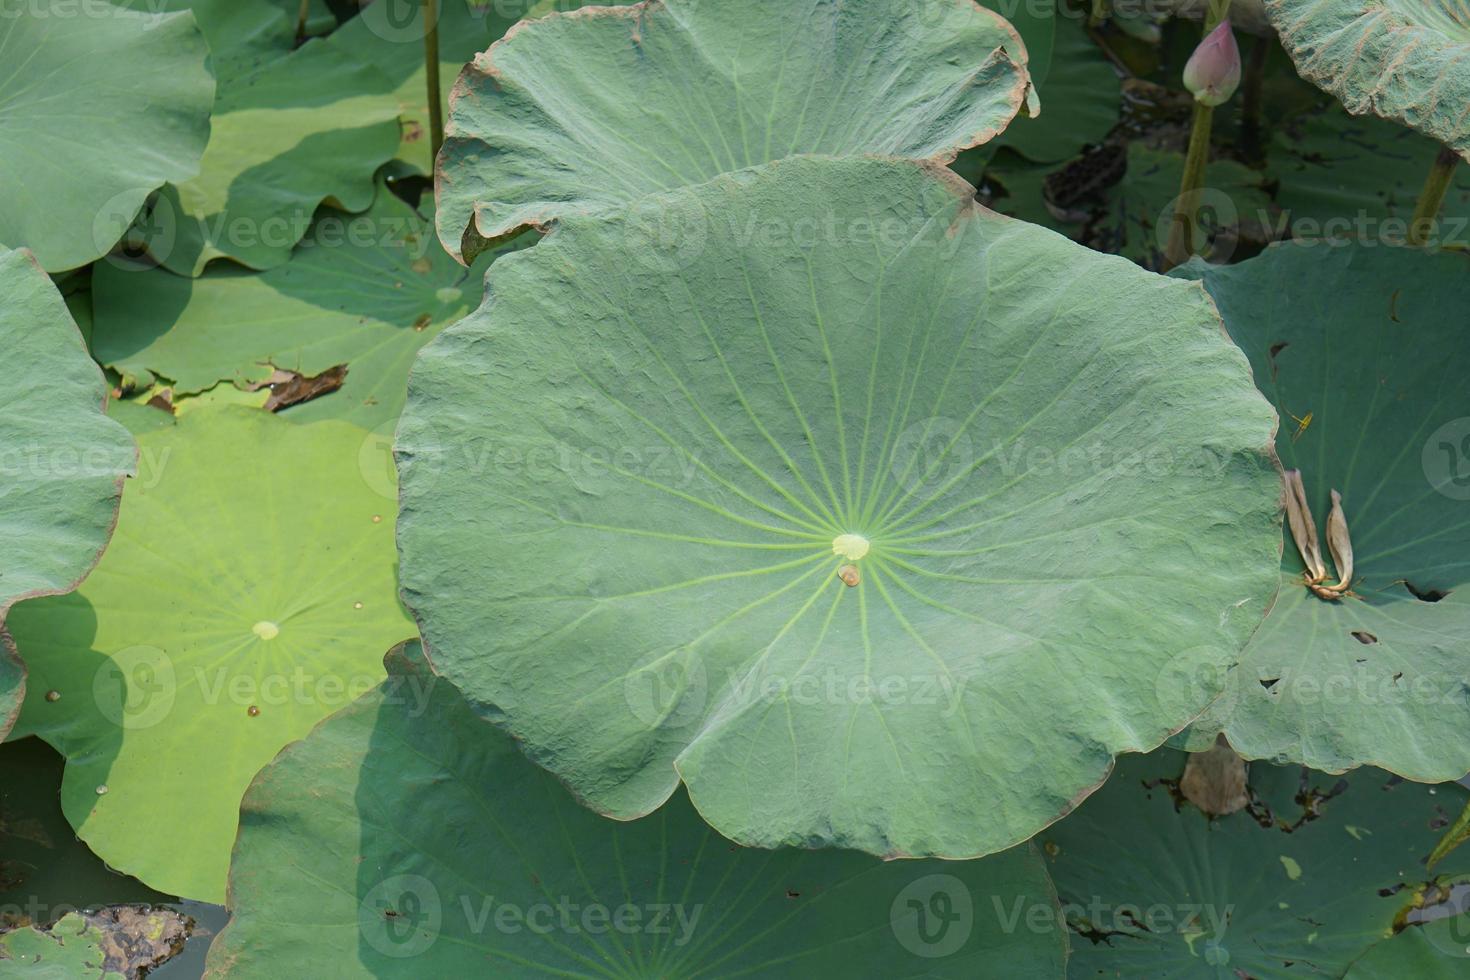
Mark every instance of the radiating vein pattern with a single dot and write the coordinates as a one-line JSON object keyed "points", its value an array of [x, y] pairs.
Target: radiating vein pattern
{"points": [[792, 516]]}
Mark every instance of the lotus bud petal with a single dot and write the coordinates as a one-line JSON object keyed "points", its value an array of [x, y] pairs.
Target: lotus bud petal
{"points": [[1303, 526], [1340, 544], [1213, 72]]}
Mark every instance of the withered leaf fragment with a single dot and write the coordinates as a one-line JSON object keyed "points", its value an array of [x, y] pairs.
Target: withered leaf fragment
{"points": [[1303, 526], [290, 388], [1340, 545]]}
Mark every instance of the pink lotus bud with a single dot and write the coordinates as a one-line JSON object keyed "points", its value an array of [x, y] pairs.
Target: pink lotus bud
{"points": [[1213, 71]]}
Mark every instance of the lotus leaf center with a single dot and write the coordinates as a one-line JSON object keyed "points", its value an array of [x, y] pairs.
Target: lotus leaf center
{"points": [[266, 630], [850, 546]]}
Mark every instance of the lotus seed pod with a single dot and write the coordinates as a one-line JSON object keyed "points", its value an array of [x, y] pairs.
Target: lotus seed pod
{"points": [[1213, 72]]}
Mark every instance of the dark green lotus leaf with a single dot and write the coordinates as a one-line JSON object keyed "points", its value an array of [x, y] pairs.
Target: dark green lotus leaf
{"points": [[99, 111], [1404, 60], [405, 838], [1437, 950], [62, 461], [1316, 871], [390, 35], [626, 490], [1344, 177], [250, 581], [362, 290], [591, 110], [292, 127], [1081, 92], [1365, 344]]}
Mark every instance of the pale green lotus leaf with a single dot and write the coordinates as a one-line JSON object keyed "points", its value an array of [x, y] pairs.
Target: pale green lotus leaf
{"points": [[631, 480], [390, 35], [406, 838], [62, 461], [292, 128], [1363, 346], [362, 290], [250, 581], [99, 111], [1314, 874], [1405, 60], [594, 109]]}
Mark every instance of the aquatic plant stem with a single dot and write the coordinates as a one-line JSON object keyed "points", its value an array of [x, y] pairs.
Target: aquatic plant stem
{"points": [[431, 76], [301, 18], [1431, 199], [1181, 230]]}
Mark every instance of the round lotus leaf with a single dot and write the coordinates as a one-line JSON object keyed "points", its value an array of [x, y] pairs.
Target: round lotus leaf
{"points": [[365, 291], [121, 98], [637, 483], [291, 128], [1404, 60], [1336, 337], [406, 838], [390, 35], [1316, 871], [594, 109], [249, 582], [62, 461]]}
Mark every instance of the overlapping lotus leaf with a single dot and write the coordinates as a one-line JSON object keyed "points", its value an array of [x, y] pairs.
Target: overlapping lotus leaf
{"points": [[98, 111], [632, 482], [1436, 950], [363, 290], [249, 581], [1315, 873], [390, 35], [393, 842], [292, 128], [71, 949], [594, 109], [1337, 336], [1406, 60], [62, 461]]}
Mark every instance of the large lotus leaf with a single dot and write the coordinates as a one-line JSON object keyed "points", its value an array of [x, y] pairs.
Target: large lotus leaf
{"points": [[626, 478], [292, 127], [390, 34], [1400, 59], [393, 842], [99, 111], [1305, 881], [62, 461], [1367, 341], [594, 109], [363, 290], [250, 581]]}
